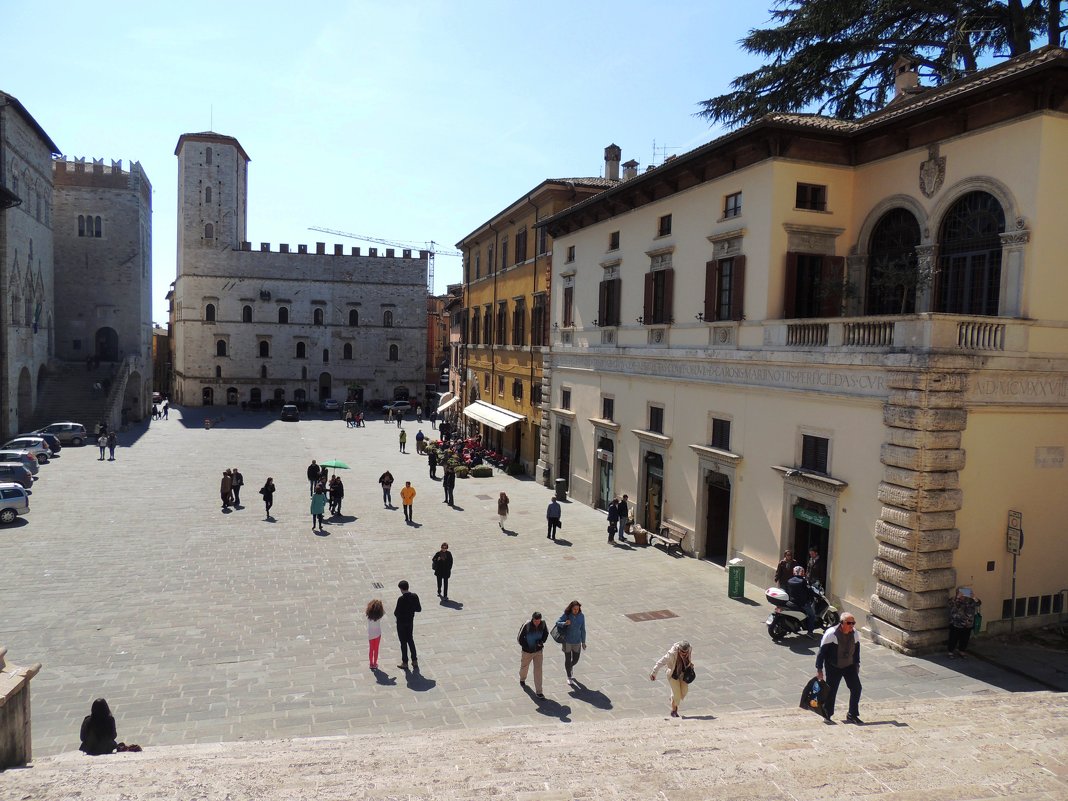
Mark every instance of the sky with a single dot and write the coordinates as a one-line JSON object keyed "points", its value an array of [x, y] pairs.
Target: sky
{"points": [[409, 120]]}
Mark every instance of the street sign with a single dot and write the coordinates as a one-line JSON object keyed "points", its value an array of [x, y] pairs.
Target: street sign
{"points": [[1014, 533]]}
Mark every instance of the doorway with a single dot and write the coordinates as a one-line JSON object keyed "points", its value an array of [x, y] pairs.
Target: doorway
{"points": [[563, 454], [325, 386], [812, 527], [231, 396], [605, 459], [717, 517], [107, 345], [207, 397], [654, 491]]}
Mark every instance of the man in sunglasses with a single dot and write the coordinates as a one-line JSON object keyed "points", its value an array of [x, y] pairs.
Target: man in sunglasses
{"points": [[840, 650]]}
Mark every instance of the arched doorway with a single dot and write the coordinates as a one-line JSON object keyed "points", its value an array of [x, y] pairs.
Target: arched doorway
{"points": [[325, 386], [208, 397], [25, 410], [280, 395], [232, 396], [107, 344], [255, 397]]}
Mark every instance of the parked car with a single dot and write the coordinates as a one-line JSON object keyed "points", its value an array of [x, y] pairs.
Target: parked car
{"points": [[14, 501], [35, 445], [401, 406], [15, 473], [290, 412], [67, 433], [54, 444], [25, 458], [330, 405]]}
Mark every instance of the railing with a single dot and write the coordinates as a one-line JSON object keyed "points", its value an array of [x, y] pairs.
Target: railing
{"points": [[117, 393], [974, 335], [807, 335], [877, 334]]}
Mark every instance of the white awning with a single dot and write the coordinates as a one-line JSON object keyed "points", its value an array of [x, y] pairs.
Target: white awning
{"points": [[447, 404], [493, 416]]}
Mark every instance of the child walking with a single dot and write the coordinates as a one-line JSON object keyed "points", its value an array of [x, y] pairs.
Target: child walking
{"points": [[374, 612]]}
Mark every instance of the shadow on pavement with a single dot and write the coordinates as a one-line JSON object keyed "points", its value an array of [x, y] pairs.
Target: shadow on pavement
{"points": [[418, 683], [551, 709], [562, 541], [322, 533], [384, 678], [451, 604], [596, 698], [747, 601]]}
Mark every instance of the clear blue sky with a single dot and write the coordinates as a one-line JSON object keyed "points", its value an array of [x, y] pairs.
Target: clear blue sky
{"points": [[409, 121]]}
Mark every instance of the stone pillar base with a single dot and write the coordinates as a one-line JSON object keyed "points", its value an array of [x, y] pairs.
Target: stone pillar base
{"points": [[911, 643]]}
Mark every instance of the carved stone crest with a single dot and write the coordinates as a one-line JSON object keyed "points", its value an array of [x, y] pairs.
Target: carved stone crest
{"points": [[932, 172]]}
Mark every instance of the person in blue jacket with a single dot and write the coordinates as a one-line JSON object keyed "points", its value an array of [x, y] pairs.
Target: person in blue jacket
{"points": [[573, 623], [840, 650]]}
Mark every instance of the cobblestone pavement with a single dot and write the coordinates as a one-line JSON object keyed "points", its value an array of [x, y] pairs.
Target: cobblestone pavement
{"points": [[127, 581]]}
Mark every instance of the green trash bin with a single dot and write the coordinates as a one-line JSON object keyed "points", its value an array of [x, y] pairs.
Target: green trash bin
{"points": [[735, 579]]}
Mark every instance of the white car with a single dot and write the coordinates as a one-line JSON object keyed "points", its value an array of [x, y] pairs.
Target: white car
{"points": [[14, 501], [35, 445]]}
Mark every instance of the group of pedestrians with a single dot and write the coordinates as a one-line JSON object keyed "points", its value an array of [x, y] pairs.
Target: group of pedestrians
{"points": [[230, 488], [107, 441]]}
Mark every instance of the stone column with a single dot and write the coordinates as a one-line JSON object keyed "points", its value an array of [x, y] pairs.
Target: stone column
{"points": [[916, 532], [544, 468]]}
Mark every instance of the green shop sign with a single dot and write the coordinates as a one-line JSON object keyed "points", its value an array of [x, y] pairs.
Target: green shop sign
{"points": [[815, 518]]}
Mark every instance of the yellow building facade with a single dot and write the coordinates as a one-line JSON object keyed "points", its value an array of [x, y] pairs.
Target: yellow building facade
{"points": [[847, 335], [507, 271]]}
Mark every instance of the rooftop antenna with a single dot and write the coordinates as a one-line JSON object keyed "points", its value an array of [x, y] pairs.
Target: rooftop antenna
{"points": [[662, 151]]}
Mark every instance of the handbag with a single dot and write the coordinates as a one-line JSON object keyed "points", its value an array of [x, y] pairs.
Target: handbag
{"points": [[557, 633], [689, 675]]}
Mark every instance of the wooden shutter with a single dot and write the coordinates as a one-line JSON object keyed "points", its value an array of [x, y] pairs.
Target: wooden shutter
{"points": [[711, 289], [602, 303], [789, 300], [615, 297], [738, 289], [647, 308], [831, 284], [669, 295]]}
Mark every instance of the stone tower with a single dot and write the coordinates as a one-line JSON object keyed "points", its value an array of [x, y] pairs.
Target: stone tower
{"points": [[212, 193]]}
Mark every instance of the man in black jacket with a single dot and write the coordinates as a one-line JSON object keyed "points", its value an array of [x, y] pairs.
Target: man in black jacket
{"points": [[404, 612], [313, 476], [532, 639], [802, 597]]}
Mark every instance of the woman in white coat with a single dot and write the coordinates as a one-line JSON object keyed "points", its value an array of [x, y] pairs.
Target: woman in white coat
{"points": [[677, 660]]}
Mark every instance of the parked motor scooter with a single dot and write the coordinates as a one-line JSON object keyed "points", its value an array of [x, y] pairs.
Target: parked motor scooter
{"points": [[788, 618]]}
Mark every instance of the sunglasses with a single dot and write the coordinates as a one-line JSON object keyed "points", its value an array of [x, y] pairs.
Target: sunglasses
{"points": [[849, 622]]}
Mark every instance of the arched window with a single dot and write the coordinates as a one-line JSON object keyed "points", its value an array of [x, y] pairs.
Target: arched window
{"points": [[246, 314], [81, 225], [347, 352], [209, 313], [317, 317], [265, 350], [354, 317], [263, 374], [302, 350], [387, 318], [394, 353], [97, 230], [326, 355], [209, 231], [220, 347], [207, 194], [218, 371], [893, 277], [969, 255], [283, 314], [207, 155]]}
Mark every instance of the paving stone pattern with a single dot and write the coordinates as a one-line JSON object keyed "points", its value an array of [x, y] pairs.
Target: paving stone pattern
{"points": [[127, 581]]}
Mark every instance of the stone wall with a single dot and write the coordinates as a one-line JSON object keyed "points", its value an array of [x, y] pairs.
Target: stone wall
{"points": [[916, 533], [16, 746]]}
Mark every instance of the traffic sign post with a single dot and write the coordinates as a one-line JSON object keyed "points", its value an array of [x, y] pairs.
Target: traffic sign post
{"points": [[1014, 539]]}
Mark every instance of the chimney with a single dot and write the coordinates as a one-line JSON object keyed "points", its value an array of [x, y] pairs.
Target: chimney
{"points": [[630, 169], [906, 77], [612, 155]]}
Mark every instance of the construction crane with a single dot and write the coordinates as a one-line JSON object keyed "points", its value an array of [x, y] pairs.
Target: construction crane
{"points": [[430, 247]]}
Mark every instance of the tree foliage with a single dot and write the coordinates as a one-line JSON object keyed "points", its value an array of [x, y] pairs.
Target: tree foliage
{"points": [[836, 57]]}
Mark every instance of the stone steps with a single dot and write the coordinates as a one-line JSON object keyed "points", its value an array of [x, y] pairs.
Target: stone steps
{"points": [[68, 395], [996, 746]]}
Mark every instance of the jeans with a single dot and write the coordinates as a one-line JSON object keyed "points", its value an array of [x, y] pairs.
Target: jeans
{"points": [[405, 629], [810, 616], [852, 680], [387, 496], [572, 653]]}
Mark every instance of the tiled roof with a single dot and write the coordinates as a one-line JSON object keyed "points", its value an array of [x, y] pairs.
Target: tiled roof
{"points": [[602, 182]]}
